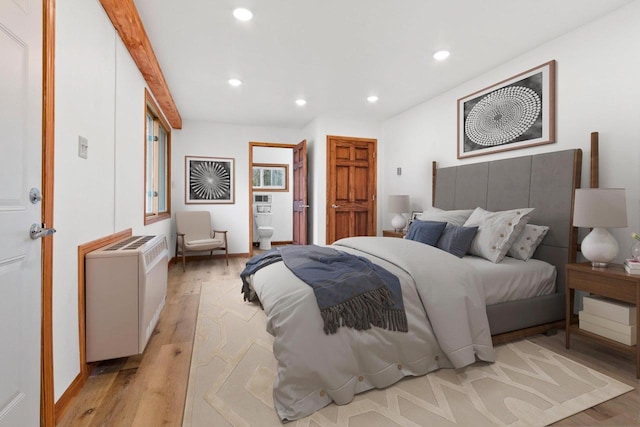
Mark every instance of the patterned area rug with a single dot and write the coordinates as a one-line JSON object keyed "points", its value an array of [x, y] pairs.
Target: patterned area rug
{"points": [[233, 367]]}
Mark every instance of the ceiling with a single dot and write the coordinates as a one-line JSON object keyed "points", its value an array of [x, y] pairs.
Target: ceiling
{"points": [[335, 53]]}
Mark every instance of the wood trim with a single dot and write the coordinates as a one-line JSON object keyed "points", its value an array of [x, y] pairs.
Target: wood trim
{"points": [[434, 176], [126, 20], [595, 161], [67, 397], [85, 370], [150, 105], [272, 165], [47, 407], [573, 231]]}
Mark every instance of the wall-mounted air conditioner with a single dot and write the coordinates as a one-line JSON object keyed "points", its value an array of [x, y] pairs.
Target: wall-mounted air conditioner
{"points": [[125, 290]]}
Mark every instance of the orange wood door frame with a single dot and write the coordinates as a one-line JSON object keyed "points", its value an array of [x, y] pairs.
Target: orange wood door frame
{"points": [[300, 203], [351, 187], [47, 399]]}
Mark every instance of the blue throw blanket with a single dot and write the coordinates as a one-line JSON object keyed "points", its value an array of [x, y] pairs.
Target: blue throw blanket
{"points": [[350, 290]]}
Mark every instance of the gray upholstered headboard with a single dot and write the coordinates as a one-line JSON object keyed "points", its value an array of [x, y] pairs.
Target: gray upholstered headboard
{"points": [[545, 182]]}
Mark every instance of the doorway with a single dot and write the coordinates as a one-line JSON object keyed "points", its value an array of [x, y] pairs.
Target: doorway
{"points": [[351, 187], [278, 180]]}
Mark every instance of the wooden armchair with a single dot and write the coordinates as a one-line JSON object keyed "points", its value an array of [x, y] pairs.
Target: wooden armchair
{"points": [[194, 234]]}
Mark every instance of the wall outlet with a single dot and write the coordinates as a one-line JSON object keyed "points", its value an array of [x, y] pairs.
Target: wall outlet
{"points": [[83, 147]]}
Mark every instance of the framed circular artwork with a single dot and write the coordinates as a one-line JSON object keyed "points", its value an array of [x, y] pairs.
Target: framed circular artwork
{"points": [[514, 113]]}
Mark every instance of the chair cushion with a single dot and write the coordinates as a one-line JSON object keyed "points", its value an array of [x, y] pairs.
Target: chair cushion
{"points": [[203, 244]]}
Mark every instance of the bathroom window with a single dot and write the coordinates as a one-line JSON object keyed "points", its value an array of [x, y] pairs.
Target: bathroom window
{"points": [[270, 177], [157, 171]]}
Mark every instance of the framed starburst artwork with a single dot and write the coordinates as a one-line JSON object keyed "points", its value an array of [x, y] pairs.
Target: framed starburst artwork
{"points": [[515, 113], [209, 180]]}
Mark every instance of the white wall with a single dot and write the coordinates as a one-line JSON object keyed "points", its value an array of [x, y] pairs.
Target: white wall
{"points": [[100, 96], [597, 90], [281, 201], [316, 135], [199, 138]]}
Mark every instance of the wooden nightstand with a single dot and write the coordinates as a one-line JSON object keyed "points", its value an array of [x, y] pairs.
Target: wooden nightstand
{"points": [[611, 282], [392, 233]]}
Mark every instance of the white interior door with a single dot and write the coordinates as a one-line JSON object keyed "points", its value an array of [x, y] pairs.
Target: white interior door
{"points": [[20, 170]]}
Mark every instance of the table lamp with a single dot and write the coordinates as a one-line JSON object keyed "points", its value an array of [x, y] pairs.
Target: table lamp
{"points": [[600, 208], [398, 204]]}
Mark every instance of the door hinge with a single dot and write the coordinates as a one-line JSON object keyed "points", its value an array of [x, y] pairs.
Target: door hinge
{"points": [[373, 197]]}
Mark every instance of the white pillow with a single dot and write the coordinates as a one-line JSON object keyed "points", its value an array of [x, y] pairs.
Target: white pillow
{"points": [[453, 217], [526, 243], [496, 231]]}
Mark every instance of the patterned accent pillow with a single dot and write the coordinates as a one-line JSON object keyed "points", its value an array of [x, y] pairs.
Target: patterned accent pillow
{"points": [[427, 232], [457, 217], [527, 242], [496, 231], [457, 239]]}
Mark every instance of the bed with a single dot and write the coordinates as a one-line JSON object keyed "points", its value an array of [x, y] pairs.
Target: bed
{"points": [[450, 324], [545, 182]]}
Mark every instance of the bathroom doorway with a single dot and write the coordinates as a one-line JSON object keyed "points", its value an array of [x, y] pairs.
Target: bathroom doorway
{"points": [[277, 194]]}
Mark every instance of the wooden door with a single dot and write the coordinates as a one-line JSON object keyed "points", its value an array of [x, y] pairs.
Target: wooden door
{"points": [[300, 203], [21, 36], [351, 187]]}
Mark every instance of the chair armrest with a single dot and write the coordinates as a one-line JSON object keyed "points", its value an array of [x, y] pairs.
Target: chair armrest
{"points": [[222, 232]]}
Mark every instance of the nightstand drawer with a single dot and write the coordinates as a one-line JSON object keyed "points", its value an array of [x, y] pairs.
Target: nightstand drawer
{"points": [[596, 282], [392, 233]]}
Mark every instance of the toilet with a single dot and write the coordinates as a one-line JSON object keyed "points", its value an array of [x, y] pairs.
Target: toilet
{"points": [[263, 218]]}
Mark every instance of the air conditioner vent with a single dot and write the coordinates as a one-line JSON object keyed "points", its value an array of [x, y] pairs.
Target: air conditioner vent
{"points": [[138, 243], [122, 243], [156, 251]]}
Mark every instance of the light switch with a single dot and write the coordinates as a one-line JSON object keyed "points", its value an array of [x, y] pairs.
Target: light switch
{"points": [[399, 171], [83, 147]]}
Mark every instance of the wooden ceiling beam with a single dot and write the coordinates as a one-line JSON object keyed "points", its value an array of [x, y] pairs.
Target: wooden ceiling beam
{"points": [[126, 20]]}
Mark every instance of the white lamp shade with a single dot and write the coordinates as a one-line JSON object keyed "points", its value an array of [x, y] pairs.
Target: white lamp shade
{"points": [[399, 203], [600, 207]]}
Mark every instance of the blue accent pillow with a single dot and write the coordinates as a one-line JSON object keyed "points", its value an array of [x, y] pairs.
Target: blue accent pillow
{"points": [[456, 239], [427, 232]]}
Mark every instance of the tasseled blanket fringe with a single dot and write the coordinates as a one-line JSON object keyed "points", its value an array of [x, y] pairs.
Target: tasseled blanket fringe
{"points": [[364, 311]]}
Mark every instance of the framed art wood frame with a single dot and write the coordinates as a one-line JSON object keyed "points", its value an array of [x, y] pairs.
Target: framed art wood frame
{"points": [[209, 180], [515, 113], [270, 177]]}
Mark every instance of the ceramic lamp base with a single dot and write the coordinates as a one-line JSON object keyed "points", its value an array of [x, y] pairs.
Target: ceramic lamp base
{"points": [[398, 222], [599, 247]]}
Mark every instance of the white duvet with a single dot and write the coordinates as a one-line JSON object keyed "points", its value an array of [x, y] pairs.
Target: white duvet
{"points": [[445, 308]]}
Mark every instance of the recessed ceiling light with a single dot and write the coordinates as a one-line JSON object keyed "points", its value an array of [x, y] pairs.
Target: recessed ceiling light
{"points": [[372, 98], [235, 82], [242, 14], [301, 102], [440, 55]]}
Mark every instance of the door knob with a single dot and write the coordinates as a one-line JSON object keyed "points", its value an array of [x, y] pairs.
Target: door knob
{"points": [[38, 231], [334, 206]]}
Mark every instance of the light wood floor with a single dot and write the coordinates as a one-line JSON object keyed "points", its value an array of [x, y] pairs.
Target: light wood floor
{"points": [[149, 390]]}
